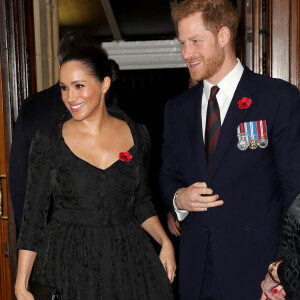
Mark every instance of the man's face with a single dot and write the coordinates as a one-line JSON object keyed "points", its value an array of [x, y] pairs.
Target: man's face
{"points": [[200, 49]]}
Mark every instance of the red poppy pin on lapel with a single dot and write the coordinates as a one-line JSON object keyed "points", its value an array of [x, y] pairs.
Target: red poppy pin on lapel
{"points": [[125, 156], [244, 103]]}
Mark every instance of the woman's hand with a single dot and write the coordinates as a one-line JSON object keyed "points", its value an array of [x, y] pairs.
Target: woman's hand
{"points": [[23, 294], [167, 257], [173, 225], [271, 290]]}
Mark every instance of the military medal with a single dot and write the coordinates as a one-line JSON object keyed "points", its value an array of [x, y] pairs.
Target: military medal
{"points": [[253, 144], [243, 144], [242, 136], [252, 134], [263, 143], [262, 133]]}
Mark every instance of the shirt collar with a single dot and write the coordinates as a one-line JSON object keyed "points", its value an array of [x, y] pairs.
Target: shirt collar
{"points": [[228, 84]]}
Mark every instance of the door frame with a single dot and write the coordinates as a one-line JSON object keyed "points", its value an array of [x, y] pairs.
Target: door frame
{"points": [[17, 71], [5, 262], [273, 48]]}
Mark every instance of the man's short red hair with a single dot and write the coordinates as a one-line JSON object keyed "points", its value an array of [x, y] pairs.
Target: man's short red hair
{"points": [[215, 14]]}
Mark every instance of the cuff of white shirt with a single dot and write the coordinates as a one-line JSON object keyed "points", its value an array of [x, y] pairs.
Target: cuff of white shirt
{"points": [[181, 213]]}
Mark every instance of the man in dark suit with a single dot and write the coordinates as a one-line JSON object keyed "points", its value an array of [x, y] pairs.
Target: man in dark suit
{"points": [[37, 112], [236, 137]]}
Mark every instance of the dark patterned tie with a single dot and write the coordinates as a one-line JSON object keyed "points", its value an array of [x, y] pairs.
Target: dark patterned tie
{"points": [[213, 126]]}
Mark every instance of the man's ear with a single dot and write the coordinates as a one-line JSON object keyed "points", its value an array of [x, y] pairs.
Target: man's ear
{"points": [[224, 36]]}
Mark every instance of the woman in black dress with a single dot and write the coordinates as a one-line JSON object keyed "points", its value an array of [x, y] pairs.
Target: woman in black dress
{"points": [[283, 278], [88, 202]]}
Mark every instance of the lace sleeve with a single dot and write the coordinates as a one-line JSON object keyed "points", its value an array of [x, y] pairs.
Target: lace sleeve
{"points": [[144, 208], [289, 275], [289, 269], [37, 196]]}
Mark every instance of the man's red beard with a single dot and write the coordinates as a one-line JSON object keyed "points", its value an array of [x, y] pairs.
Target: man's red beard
{"points": [[209, 66]]}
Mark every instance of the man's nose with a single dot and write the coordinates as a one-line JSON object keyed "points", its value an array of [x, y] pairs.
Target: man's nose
{"points": [[186, 51]]}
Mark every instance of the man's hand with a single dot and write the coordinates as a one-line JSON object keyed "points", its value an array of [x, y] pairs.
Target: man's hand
{"points": [[197, 197], [173, 224]]}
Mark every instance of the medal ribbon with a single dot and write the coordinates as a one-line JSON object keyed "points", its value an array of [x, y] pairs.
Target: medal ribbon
{"points": [[246, 131], [252, 130], [264, 129], [259, 129], [242, 128], [240, 132]]}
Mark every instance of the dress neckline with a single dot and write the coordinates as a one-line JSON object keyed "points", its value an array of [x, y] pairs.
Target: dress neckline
{"points": [[117, 114]]}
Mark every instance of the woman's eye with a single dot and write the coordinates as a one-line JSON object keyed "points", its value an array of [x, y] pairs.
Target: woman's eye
{"points": [[63, 88], [78, 86]]}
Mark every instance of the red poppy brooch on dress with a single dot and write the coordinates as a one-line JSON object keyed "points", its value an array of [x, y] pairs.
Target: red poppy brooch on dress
{"points": [[125, 156], [244, 103]]}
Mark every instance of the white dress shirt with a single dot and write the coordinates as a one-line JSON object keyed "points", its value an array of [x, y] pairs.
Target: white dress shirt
{"points": [[227, 88]]}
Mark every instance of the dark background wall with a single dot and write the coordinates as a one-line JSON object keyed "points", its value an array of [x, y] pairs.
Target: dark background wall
{"points": [[142, 94]]}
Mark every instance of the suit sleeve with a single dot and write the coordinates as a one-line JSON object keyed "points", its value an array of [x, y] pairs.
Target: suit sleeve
{"points": [[286, 140], [170, 178], [18, 167], [144, 208], [37, 197]]}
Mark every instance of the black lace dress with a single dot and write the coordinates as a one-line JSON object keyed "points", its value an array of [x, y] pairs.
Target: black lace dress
{"points": [[289, 269], [84, 222]]}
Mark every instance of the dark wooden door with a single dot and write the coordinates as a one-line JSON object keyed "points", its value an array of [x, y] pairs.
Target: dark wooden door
{"points": [[272, 38], [17, 70], [5, 269]]}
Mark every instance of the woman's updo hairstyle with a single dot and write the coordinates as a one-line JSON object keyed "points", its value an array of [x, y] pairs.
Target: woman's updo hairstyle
{"points": [[94, 58], [96, 61]]}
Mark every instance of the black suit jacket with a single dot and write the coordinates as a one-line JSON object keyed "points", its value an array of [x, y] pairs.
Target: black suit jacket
{"points": [[37, 112], [256, 185]]}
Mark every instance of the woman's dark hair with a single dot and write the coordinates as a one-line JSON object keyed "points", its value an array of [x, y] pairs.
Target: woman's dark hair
{"points": [[71, 40], [94, 58], [96, 61]]}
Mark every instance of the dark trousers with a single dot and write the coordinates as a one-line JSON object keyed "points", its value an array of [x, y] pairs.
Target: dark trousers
{"points": [[210, 287]]}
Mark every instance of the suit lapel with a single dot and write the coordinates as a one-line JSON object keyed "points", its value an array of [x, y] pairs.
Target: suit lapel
{"points": [[234, 117], [193, 121]]}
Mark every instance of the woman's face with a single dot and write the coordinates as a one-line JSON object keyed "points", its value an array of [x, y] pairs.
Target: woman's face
{"points": [[82, 93]]}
